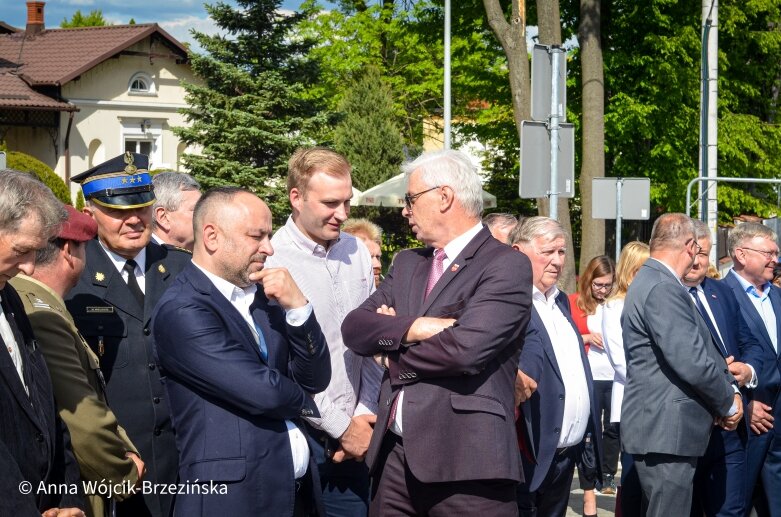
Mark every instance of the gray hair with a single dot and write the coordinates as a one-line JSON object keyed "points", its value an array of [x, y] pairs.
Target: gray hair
{"points": [[532, 227], [453, 169], [745, 232], [168, 190], [22, 195], [671, 231], [701, 230], [358, 227], [500, 220]]}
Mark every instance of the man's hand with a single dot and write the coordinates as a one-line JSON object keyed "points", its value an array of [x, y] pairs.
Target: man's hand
{"points": [[388, 311], [761, 419], [425, 327], [524, 387], [355, 441], [139, 465], [730, 423], [280, 286], [740, 371], [63, 512]]}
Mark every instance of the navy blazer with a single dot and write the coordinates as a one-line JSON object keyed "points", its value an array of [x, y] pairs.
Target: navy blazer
{"points": [[34, 443], [769, 371], [228, 403], [543, 412]]}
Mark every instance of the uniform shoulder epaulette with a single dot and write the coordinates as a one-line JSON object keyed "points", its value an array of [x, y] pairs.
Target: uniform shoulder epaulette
{"points": [[171, 247], [37, 303]]}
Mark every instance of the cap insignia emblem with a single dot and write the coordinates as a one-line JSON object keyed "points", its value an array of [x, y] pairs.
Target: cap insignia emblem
{"points": [[100, 276], [161, 268], [130, 168]]}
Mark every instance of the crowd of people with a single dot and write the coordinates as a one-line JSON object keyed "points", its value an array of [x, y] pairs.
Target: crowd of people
{"points": [[170, 353]]}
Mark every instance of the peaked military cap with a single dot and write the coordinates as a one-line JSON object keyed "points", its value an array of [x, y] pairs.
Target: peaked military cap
{"points": [[122, 182]]}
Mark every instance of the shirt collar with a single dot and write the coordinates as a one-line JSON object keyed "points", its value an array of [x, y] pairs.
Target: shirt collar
{"points": [[549, 299], [457, 245], [119, 261], [749, 288], [230, 291], [305, 243], [671, 270]]}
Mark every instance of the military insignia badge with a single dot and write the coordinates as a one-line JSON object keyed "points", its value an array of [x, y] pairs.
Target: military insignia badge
{"points": [[129, 168], [161, 268], [454, 268], [100, 276]]}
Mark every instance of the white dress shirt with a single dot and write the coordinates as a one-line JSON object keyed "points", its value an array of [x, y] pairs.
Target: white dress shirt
{"points": [[119, 263], [763, 305], [452, 250], [566, 348], [335, 280], [242, 299], [601, 369], [613, 339], [12, 346]]}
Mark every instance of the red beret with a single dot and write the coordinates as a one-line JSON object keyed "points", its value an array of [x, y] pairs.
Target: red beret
{"points": [[78, 227]]}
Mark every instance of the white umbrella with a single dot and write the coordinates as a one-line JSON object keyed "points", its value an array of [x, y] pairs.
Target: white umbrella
{"points": [[390, 193]]}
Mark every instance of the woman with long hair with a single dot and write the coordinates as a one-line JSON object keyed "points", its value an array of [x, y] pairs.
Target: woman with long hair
{"points": [[632, 257], [594, 286]]}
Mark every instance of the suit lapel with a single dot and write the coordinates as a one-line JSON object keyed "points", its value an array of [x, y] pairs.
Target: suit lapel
{"points": [[775, 300], [718, 315], [457, 266], [547, 343], [104, 274], [417, 285], [155, 277]]}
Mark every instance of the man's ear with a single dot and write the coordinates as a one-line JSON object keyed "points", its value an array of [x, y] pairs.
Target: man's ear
{"points": [[446, 198], [161, 218], [67, 252], [89, 211], [296, 198], [211, 237]]}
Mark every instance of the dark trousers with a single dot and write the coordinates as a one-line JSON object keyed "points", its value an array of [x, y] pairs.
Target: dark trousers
{"points": [[345, 485], [611, 445], [552, 496], [631, 494], [396, 492], [763, 465], [666, 482], [720, 479]]}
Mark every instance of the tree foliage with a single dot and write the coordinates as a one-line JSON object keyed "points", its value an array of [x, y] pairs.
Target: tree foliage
{"points": [[249, 113], [93, 19], [368, 135], [26, 163]]}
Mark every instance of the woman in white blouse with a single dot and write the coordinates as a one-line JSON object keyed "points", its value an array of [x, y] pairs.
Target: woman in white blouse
{"points": [[632, 257]]}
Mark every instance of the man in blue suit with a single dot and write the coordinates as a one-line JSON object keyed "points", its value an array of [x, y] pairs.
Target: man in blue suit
{"points": [[562, 411], [241, 362], [754, 255], [719, 481]]}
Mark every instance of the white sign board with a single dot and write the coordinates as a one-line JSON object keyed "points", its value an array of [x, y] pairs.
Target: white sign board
{"points": [[534, 180], [635, 198]]}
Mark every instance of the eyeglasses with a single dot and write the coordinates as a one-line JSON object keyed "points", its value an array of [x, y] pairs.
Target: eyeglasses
{"points": [[697, 246], [409, 199], [769, 255], [601, 287]]}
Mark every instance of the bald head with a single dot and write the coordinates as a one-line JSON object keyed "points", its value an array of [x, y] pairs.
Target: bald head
{"points": [[232, 234]]}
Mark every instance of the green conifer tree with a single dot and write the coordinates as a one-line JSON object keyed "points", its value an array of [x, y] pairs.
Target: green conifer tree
{"points": [[247, 113], [368, 134]]}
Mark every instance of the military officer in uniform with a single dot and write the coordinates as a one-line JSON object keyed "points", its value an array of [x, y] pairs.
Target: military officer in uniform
{"points": [[112, 304], [104, 452]]}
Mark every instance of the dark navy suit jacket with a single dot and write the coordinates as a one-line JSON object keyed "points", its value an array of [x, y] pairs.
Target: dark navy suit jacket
{"points": [[769, 371], [544, 410], [228, 403], [34, 443]]}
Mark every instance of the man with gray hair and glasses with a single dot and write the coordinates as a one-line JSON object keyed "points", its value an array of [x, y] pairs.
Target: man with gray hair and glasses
{"points": [[754, 251], [34, 445], [172, 214], [447, 324]]}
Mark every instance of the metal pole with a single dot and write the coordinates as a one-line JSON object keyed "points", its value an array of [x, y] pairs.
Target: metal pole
{"points": [[553, 194], [708, 207], [619, 184], [447, 74], [726, 180]]}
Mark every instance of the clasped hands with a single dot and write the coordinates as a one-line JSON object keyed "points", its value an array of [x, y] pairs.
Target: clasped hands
{"points": [[730, 423]]}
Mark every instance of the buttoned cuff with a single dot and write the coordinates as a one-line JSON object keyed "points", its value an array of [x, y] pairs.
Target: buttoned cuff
{"points": [[334, 422], [754, 382], [297, 317]]}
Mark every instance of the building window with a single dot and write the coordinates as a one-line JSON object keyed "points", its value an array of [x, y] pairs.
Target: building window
{"points": [[141, 84], [138, 146]]}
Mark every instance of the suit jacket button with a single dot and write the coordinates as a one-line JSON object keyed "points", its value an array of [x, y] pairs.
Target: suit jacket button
{"points": [[39, 437], [151, 366], [157, 431], [146, 331], [557, 430], [156, 400], [561, 397]]}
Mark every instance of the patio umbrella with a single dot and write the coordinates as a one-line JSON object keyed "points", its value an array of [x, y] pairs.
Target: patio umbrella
{"points": [[390, 193]]}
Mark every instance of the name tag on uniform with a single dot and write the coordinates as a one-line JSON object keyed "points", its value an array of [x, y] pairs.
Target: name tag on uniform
{"points": [[100, 310]]}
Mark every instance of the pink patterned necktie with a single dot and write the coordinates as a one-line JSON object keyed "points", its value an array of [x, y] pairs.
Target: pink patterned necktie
{"points": [[437, 267]]}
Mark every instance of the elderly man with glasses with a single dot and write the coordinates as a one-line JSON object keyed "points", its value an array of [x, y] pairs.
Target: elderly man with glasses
{"points": [[754, 251]]}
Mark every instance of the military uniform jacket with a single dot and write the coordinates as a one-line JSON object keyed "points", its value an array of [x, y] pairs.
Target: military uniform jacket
{"points": [[99, 443], [117, 330]]}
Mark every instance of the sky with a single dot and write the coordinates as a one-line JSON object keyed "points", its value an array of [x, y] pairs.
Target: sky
{"points": [[176, 17]]}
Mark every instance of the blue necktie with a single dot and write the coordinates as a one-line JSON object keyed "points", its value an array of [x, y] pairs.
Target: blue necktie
{"points": [[261, 342], [713, 332]]}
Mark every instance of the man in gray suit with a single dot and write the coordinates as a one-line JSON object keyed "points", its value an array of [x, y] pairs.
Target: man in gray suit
{"points": [[677, 383]]}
